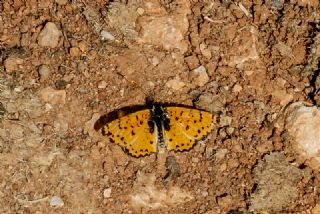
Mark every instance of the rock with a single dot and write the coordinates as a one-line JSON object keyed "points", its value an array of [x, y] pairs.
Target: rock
{"points": [[277, 184], [237, 88], [15, 131], [83, 46], [56, 202], [49, 36], [221, 154], [74, 52], [211, 102], [102, 84], [105, 35], [303, 125], [204, 193], [176, 84], [225, 201], [155, 61], [205, 51], [173, 168], [199, 76], [52, 96], [107, 192], [12, 63], [44, 72], [192, 61], [282, 97], [225, 121], [61, 84], [165, 30]]}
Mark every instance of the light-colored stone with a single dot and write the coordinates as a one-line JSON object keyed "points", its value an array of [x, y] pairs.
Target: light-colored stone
{"points": [[176, 84], [303, 125], [52, 96], [237, 88], [102, 84], [199, 76], [165, 30], [12, 63], [56, 202], [44, 72], [140, 11], [221, 154], [155, 61], [107, 192], [282, 96], [105, 35], [49, 36], [225, 121]]}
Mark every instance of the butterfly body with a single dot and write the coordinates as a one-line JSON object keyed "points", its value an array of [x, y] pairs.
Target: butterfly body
{"points": [[143, 131]]}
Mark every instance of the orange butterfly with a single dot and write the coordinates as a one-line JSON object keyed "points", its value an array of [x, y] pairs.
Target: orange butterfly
{"points": [[141, 132]]}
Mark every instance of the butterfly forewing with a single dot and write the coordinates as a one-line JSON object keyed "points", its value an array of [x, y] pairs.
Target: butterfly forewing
{"points": [[133, 133], [187, 126]]}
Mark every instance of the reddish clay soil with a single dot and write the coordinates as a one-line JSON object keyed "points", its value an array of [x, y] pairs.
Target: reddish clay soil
{"points": [[64, 63]]}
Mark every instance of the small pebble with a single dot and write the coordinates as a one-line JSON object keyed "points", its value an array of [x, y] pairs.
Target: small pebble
{"points": [[75, 51], [204, 193], [140, 11], [172, 166], [155, 61], [83, 46], [49, 36], [102, 84], [61, 84], [221, 154], [52, 96], [12, 63], [107, 192], [176, 84], [56, 202], [62, 70], [106, 35], [18, 89], [237, 88], [230, 130], [195, 160], [205, 51], [225, 121], [44, 72], [199, 76]]}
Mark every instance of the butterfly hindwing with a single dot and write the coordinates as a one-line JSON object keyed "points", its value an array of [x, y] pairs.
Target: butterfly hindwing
{"points": [[133, 133], [187, 126]]}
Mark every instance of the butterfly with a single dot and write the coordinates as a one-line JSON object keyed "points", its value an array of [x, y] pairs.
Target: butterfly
{"points": [[141, 132]]}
